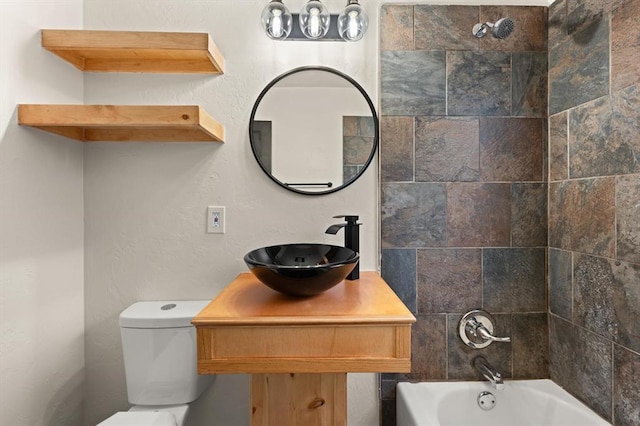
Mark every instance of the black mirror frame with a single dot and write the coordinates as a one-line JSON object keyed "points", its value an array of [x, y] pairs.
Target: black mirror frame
{"points": [[362, 92]]}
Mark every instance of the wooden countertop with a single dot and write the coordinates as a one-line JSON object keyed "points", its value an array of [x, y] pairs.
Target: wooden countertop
{"points": [[246, 301]]}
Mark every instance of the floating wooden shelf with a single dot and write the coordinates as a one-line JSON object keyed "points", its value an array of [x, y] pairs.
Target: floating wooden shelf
{"points": [[135, 51], [123, 123]]}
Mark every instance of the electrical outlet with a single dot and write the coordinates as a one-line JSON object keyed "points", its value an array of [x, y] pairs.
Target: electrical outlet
{"points": [[215, 220]]}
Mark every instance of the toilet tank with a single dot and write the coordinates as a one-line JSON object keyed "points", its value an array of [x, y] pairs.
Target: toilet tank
{"points": [[159, 348]]}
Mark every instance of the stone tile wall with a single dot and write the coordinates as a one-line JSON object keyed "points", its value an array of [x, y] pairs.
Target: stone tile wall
{"points": [[594, 204], [464, 188], [464, 191]]}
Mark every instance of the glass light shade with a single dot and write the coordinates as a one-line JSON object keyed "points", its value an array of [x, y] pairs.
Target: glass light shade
{"points": [[276, 20], [353, 22], [314, 19]]}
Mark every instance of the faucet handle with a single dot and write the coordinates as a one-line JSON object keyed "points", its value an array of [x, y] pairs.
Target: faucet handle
{"points": [[476, 330], [479, 330], [349, 218]]}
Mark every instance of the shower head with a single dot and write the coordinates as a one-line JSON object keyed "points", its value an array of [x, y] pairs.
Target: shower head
{"points": [[501, 29]]}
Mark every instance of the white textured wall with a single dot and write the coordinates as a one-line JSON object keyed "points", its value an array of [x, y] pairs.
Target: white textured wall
{"points": [[41, 226]]}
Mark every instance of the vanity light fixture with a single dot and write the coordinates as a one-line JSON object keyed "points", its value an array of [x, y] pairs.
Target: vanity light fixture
{"points": [[314, 22]]}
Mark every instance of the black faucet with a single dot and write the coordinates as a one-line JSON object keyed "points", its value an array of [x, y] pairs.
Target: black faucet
{"points": [[351, 238]]}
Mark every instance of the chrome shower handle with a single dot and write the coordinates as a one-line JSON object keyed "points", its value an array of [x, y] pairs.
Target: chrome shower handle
{"points": [[476, 329], [481, 331]]}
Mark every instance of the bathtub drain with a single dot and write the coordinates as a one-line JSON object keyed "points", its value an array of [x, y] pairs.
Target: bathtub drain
{"points": [[486, 401]]}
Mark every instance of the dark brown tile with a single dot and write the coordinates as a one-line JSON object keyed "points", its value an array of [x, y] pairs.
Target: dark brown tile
{"points": [[460, 356], [628, 217], [398, 269], [560, 283], [591, 129], [582, 216], [478, 83], [530, 342], [513, 280], [579, 68], [625, 110], [362, 126], [625, 46], [388, 412], [430, 20], [529, 84], [413, 82], [350, 125], [603, 137], [396, 27], [606, 299], [356, 150], [626, 390], [413, 215], [582, 13], [449, 280], [530, 29], [529, 215], [581, 362], [428, 351], [429, 348], [446, 149], [557, 23], [558, 147], [545, 150], [396, 149], [478, 214], [366, 126], [627, 118], [559, 222], [511, 149], [388, 389]]}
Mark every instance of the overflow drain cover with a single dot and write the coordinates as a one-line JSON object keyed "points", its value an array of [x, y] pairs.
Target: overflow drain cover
{"points": [[486, 401]]}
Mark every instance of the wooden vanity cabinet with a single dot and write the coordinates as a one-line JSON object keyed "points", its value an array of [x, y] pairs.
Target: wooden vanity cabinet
{"points": [[299, 350]]}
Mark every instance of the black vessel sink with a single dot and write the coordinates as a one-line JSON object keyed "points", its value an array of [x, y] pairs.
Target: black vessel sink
{"points": [[301, 269]]}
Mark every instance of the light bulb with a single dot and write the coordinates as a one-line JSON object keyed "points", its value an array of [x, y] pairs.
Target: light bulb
{"points": [[314, 19], [276, 23], [314, 22], [276, 20], [353, 25], [352, 21]]}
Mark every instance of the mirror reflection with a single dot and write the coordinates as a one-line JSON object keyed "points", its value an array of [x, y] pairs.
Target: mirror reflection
{"points": [[313, 130]]}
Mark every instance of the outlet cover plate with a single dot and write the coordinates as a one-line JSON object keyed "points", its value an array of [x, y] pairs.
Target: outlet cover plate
{"points": [[216, 220]]}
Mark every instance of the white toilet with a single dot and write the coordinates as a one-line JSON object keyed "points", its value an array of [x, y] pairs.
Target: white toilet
{"points": [[160, 360]]}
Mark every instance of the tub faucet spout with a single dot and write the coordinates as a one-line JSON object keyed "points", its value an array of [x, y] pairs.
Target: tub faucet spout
{"points": [[485, 369]]}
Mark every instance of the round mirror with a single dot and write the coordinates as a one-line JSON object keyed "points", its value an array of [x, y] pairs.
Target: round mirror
{"points": [[313, 130]]}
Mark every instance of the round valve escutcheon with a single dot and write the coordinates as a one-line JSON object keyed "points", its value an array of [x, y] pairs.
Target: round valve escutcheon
{"points": [[476, 329]]}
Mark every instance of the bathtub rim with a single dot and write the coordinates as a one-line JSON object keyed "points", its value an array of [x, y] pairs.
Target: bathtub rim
{"points": [[540, 385]]}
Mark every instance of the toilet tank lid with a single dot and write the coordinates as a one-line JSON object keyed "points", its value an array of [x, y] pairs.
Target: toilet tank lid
{"points": [[161, 314]]}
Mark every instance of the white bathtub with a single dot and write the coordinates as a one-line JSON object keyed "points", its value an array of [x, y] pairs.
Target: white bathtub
{"points": [[520, 403]]}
